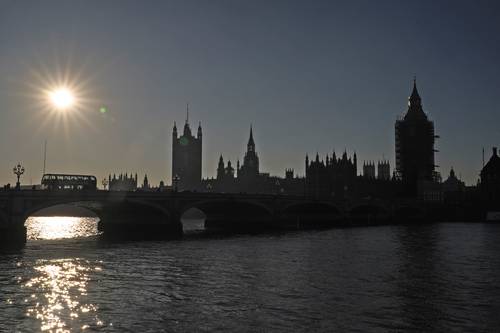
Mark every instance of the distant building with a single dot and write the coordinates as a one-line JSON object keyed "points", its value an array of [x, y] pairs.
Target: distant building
{"points": [[247, 178], [490, 178], [452, 183], [369, 170], [250, 167], [332, 176], [145, 183], [415, 145], [186, 158], [453, 188], [122, 182], [383, 170]]}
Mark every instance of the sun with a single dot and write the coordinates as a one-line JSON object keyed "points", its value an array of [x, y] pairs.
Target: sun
{"points": [[62, 98]]}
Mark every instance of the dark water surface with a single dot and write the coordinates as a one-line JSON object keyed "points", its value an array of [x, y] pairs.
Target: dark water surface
{"points": [[442, 277]]}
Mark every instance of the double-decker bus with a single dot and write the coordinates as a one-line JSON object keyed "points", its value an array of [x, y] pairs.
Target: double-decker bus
{"points": [[52, 181]]}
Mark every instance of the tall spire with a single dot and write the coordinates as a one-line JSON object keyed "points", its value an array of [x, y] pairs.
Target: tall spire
{"points": [[220, 168], [414, 93], [199, 131], [187, 129], [250, 140], [251, 143], [415, 110]]}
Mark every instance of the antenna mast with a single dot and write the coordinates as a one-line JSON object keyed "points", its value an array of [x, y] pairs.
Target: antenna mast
{"points": [[44, 156]]}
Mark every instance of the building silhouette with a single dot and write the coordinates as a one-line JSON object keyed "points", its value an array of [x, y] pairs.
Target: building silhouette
{"points": [[145, 183], [247, 178], [122, 182], [331, 177], [490, 178], [186, 157], [453, 188], [369, 170], [250, 167], [383, 170], [415, 146]]}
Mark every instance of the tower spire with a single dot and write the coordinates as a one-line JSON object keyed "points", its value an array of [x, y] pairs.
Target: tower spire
{"points": [[414, 93], [415, 110], [187, 129], [250, 139], [251, 132], [174, 130], [199, 130]]}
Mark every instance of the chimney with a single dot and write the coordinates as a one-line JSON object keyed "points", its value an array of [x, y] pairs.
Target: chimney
{"points": [[494, 151]]}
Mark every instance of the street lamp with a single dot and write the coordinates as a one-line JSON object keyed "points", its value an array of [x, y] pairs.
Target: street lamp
{"points": [[175, 182], [18, 171]]}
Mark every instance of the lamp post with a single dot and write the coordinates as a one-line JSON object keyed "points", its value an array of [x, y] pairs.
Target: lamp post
{"points": [[18, 171], [104, 183], [175, 182]]}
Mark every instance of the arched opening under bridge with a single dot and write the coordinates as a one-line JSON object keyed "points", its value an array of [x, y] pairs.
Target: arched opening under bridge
{"points": [[234, 216], [193, 220], [61, 221], [115, 219]]}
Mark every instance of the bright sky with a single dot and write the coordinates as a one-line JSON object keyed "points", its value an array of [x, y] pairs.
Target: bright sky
{"points": [[311, 76]]}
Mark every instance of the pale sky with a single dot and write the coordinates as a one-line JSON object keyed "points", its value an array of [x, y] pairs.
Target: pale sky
{"points": [[311, 76]]}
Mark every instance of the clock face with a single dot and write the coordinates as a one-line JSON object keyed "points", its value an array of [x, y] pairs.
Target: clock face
{"points": [[183, 141]]}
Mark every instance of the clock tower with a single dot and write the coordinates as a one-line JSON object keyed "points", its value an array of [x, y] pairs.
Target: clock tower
{"points": [[415, 140]]}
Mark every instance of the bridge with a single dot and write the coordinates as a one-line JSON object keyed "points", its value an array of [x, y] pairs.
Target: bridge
{"points": [[157, 215]]}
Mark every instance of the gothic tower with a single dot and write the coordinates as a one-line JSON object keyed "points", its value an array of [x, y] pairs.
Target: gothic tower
{"points": [[414, 145], [186, 157], [250, 165]]}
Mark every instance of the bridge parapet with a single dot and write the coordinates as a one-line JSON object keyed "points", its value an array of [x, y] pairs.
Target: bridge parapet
{"points": [[137, 211]]}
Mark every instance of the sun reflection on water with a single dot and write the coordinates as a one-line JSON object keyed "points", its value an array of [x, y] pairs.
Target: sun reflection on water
{"points": [[60, 293], [55, 227]]}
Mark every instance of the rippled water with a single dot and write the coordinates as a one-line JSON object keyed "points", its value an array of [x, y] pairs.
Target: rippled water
{"points": [[442, 277], [56, 227]]}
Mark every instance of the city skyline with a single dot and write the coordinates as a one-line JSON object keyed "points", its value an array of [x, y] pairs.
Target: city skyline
{"points": [[290, 74]]}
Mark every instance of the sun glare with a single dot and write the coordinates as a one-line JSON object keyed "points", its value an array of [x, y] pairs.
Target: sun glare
{"points": [[62, 98]]}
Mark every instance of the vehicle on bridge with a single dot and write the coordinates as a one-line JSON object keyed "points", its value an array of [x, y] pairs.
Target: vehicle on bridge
{"points": [[52, 181]]}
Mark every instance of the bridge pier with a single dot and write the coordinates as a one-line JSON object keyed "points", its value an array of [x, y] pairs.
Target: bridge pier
{"points": [[140, 231], [228, 224], [129, 222], [12, 236]]}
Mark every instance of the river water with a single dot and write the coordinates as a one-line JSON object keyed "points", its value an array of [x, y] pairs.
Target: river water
{"points": [[441, 277]]}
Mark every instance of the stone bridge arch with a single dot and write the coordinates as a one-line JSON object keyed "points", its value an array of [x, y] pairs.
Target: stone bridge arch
{"points": [[232, 215], [98, 206], [32, 209], [119, 216]]}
